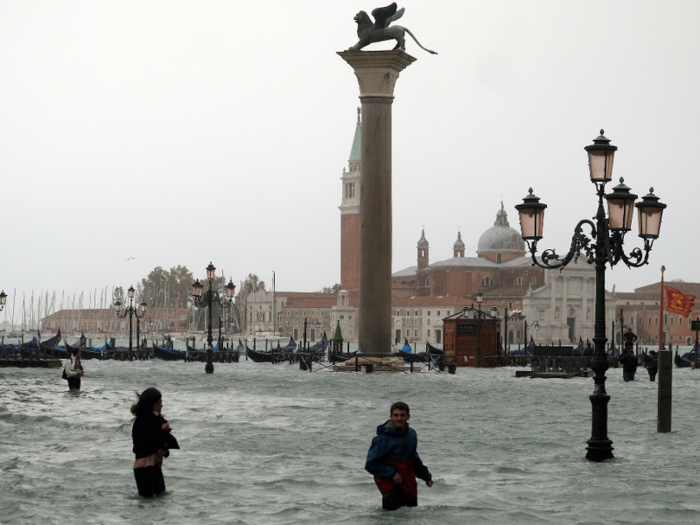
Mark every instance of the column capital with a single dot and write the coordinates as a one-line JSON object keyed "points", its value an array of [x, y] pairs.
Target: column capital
{"points": [[377, 71]]}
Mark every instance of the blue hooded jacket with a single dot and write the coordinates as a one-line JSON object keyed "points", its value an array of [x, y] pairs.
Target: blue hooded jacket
{"points": [[391, 444]]}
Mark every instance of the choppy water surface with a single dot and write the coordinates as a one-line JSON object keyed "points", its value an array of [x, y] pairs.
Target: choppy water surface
{"points": [[270, 444]]}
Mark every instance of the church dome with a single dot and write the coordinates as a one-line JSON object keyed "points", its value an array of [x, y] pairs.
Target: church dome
{"points": [[501, 237]]}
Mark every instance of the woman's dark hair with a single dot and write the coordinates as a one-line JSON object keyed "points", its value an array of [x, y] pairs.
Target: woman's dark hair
{"points": [[147, 399], [76, 351], [399, 405]]}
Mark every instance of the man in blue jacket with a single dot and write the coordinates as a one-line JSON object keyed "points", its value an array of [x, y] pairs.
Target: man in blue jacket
{"points": [[394, 462]]}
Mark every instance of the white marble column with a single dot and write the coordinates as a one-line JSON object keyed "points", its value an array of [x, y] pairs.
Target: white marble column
{"points": [[376, 72]]}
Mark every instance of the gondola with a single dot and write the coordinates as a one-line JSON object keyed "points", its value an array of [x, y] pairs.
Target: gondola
{"points": [[31, 349], [341, 357], [317, 351], [319, 347], [51, 348], [412, 357], [289, 347], [686, 360], [432, 350], [168, 354], [86, 353], [259, 357]]}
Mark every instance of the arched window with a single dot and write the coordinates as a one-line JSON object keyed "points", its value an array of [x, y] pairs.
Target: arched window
{"points": [[519, 280], [689, 341], [505, 281], [427, 281], [487, 281], [534, 280]]}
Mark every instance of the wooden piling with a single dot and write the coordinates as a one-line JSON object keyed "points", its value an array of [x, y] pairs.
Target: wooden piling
{"points": [[665, 380]]}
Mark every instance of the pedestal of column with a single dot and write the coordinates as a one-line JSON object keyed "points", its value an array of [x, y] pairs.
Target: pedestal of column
{"points": [[376, 72]]}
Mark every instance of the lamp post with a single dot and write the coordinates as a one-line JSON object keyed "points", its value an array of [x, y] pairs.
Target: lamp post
{"points": [[132, 311], [602, 246], [494, 314], [207, 301], [3, 300], [534, 325], [479, 300]]}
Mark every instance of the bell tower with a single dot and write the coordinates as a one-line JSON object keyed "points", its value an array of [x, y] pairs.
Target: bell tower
{"points": [[458, 247], [350, 215], [423, 249]]}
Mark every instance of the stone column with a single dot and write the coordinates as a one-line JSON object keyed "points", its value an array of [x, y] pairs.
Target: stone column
{"points": [[377, 72], [565, 308]]}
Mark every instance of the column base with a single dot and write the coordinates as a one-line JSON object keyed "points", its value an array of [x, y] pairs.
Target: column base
{"points": [[380, 364], [599, 450]]}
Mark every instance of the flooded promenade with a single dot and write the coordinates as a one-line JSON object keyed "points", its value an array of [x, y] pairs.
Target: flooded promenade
{"points": [[270, 444]]}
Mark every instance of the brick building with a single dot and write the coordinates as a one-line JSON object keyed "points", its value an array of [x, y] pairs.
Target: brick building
{"points": [[106, 321], [639, 310]]}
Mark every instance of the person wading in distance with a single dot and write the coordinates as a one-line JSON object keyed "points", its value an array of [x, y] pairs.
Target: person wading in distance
{"points": [[394, 461], [74, 371]]}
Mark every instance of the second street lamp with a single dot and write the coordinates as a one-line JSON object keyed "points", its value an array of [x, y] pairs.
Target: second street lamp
{"points": [[207, 301], [3, 300], [604, 245], [132, 311]]}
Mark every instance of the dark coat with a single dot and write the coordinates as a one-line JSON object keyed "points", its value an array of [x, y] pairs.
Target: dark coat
{"points": [[651, 363], [629, 364], [148, 435]]}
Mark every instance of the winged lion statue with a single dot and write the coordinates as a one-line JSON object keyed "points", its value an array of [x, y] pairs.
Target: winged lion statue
{"points": [[379, 30]]}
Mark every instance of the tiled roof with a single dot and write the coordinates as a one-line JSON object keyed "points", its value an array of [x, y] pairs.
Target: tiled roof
{"points": [[481, 262], [506, 290], [406, 272], [108, 314], [448, 300], [690, 288], [315, 302]]}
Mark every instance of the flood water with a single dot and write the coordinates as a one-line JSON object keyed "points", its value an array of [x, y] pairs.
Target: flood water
{"points": [[270, 444]]}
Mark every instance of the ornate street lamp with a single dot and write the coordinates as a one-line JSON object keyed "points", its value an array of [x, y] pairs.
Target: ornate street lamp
{"points": [[132, 311], [602, 246], [207, 301], [3, 300]]}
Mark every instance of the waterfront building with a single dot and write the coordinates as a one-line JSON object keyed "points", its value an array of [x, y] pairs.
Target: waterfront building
{"points": [[104, 320], [282, 314], [639, 310]]}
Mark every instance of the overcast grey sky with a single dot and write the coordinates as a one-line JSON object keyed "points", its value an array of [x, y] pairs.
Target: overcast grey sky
{"points": [[179, 132]]}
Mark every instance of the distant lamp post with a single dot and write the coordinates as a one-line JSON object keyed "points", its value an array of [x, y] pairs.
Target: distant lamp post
{"points": [[207, 301], [479, 300], [3, 300], [603, 245], [527, 325], [132, 311], [494, 314]]}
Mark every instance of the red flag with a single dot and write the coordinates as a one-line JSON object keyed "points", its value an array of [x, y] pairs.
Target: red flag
{"points": [[678, 302]]}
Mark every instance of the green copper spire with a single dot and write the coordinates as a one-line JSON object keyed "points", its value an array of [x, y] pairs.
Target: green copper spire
{"points": [[356, 141], [338, 336]]}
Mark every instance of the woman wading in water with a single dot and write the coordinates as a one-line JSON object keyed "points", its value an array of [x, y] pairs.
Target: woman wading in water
{"points": [[152, 441]]}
